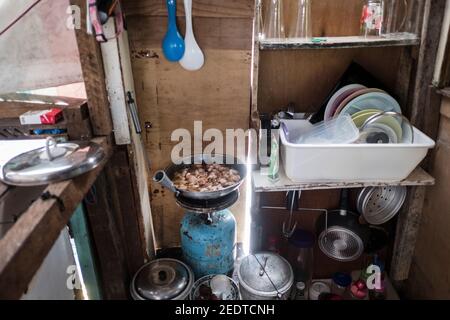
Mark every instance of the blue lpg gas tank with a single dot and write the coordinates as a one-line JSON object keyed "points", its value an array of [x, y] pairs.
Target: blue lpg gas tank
{"points": [[208, 246]]}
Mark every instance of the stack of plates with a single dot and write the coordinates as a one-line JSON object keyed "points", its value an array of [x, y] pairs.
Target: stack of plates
{"points": [[362, 103], [378, 205]]}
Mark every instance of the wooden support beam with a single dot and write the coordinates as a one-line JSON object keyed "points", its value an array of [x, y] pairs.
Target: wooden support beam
{"points": [[408, 224], [94, 76], [425, 110], [27, 243], [106, 226]]}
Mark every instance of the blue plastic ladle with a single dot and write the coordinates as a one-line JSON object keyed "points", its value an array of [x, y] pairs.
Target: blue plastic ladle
{"points": [[173, 44]]}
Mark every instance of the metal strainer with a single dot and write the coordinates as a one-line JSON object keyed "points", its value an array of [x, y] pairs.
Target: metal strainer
{"points": [[378, 205]]}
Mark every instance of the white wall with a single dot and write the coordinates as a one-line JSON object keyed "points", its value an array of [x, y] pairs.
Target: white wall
{"points": [[39, 51], [50, 282]]}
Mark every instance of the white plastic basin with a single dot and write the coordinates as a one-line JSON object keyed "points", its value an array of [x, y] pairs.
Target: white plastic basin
{"points": [[350, 162]]}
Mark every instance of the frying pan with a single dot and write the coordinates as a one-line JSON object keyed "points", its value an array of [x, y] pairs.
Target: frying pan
{"points": [[164, 177], [341, 236]]}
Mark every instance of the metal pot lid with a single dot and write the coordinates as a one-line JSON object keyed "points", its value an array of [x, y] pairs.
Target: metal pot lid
{"points": [[163, 279], [52, 163], [265, 274]]}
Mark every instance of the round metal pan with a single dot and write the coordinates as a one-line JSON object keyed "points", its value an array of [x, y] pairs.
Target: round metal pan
{"points": [[164, 177]]}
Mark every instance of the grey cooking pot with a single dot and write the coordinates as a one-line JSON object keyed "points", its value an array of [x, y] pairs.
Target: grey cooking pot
{"points": [[163, 279], [164, 177], [265, 276]]}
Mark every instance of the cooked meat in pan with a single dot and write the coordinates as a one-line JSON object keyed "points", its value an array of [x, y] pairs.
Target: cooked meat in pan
{"points": [[206, 177]]}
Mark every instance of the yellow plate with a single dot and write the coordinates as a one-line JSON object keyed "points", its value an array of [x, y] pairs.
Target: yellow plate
{"points": [[360, 117]]}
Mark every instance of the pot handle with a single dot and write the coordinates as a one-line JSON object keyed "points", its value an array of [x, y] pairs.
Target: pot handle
{"points": [[162, 178], [343, 204]]}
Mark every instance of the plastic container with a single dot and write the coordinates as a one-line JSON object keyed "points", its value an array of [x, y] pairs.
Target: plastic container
{"points": [[317, 288], [341, 130], [349, 162]]}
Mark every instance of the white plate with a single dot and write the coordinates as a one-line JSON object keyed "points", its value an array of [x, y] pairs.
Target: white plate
{"points": [[341, 94], [372, 100]]}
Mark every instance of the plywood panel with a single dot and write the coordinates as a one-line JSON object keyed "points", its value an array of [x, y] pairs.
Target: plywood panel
{"points": [[307, 77], [171, 98], [223, 33], [201, 8]]}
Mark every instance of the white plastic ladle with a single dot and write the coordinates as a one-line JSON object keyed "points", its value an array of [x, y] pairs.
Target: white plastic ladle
{"points": [[193, 58]]}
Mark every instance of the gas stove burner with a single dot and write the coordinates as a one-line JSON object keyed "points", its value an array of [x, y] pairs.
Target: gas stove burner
{"points": [[208, 206]]}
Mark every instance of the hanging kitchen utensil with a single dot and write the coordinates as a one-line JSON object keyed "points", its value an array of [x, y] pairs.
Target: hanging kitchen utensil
{"points": [[173, 44], [193, 58], [52, 163], [341, 236], [378, 205]]}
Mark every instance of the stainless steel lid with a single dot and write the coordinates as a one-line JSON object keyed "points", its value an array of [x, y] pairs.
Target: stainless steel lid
{"points": [[163, 279], [265, 274], [52, 163]]}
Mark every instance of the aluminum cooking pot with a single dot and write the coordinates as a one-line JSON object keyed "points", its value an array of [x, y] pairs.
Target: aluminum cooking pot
{"points": [[163, 279], [265, 276], [164, 177]]}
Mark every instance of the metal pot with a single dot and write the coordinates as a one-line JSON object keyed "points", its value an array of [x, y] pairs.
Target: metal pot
{"points": [[265, 276], [165, 177], [163, 279]]}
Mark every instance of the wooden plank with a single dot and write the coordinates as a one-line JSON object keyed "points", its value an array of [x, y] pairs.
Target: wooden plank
{"points": [[424, 110], [408, 224], [441, 76], [114, 85], [211, 33], [25, 246], [93, 75], [337, 43], [130, 214], [103, 213], [138, 160], [200, 8], [262, 184]]}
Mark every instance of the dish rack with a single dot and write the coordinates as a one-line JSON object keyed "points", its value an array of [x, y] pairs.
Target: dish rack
{"points": [[350, 162]]}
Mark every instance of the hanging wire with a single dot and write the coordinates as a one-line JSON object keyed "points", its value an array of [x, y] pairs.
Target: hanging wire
{"points": [[19, 17]]}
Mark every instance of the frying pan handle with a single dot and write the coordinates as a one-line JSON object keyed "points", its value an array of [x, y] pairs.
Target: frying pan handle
{"points": [[343, 204], [162, 178]]}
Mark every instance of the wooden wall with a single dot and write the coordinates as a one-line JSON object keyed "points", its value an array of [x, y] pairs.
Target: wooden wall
{"points": [[430, 272], [170, 98]]}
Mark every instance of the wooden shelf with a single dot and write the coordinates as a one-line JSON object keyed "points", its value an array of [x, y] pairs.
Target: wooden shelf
{"points": [[261, 183], [338, 42], [25, 245]]}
